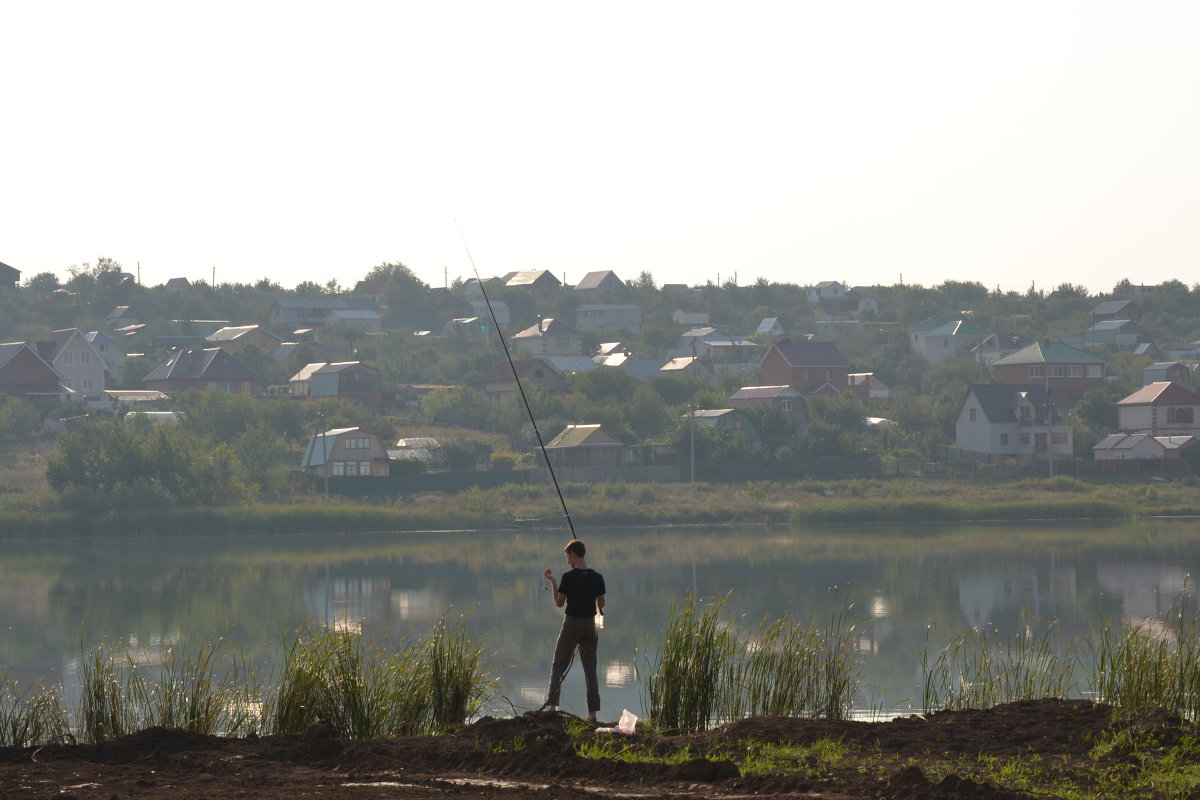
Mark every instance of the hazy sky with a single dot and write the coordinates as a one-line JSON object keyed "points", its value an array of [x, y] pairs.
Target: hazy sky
{"points": [[867, 142]]}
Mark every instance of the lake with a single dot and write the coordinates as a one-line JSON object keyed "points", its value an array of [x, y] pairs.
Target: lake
{"points": [[903, 585]]}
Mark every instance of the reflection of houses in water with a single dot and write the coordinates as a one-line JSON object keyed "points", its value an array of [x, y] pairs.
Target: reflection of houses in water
{"points": [[876, 628], [416, 604], [1000, 596], [1147, 591], [342, 603]]}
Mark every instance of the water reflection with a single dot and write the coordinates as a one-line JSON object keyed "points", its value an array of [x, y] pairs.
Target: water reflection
{"points": [[905, 587]]}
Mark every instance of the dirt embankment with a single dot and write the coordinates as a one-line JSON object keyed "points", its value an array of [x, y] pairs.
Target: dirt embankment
{"points": [[535, 756]]}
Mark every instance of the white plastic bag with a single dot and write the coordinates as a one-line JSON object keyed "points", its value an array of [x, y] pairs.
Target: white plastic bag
{"points": [[627, 724]]}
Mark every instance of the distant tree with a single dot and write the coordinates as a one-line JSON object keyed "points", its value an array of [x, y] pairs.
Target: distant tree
{"points": [[19, 420], [42, 282]]}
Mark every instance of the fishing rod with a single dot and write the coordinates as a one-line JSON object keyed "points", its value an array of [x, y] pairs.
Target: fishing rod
{"points": [[528, 409]]}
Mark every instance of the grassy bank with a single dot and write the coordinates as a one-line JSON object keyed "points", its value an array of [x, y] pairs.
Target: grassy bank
{"points": [[611, 504]]}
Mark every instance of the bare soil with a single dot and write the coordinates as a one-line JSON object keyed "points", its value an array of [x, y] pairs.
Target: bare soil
{"points": [[533, 756]]}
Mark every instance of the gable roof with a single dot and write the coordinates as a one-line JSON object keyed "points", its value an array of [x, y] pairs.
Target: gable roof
{"points": [[763, 393], [320, 446], [595, 280], [547, 327], [1128, 441], [1110, 307], [532, 277], [954, 327], [998, 400], [503, 372], [208, 364], [1161, 393], [810, 354], [1055, 352], [583, 436]]}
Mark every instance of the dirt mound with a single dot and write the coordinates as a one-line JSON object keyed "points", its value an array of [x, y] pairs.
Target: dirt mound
{"points": [[538, 754]]}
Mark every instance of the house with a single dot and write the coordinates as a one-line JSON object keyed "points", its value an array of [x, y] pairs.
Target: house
{"points": [[499, 384], [463, 326], [9, 276], [608, 318], [730, 419], [808, 367], [177, 283], [1159, 409], [541, 284], [690, 315], [203, 369], [940, 338], [855, 308], [1065, 372], [996, 346], [236, 338], [347, 452], [769, 328], [24, 373], [604, 280], [114, 359], [75, 360], [373, 289], [784, 398], [869, 386], [1172, 371], [1147, 349], [584, 446], [350, 380], [121, 316], [1130, 446], [549, 337], [570, 365], [689, 341], [686, 366], [308, 312], [1123, 332], [826, 290], [499, 308], [1009, 420], [1116, 309]]}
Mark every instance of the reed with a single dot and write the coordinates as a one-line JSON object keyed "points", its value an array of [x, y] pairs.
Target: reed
{"points": [[31, 715], [195, 693], [364, 690], [1139, 666], [708, 671], [104, 708], [690, 679], [980, 669], [799, 670]]}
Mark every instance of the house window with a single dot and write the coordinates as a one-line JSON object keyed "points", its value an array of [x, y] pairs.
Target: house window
{"points": [[829, 375], [1026, 414], [1183, 415], [229, 387], [99, 346], [1024, 439], [68, 358], [85, 358], [1035, 370], [1076, 371], [89, 384], [807, 374], [971, 414], [1093, 370], [339, 468], [1004, 439], [785, 404], [1055, 371], [1058, 438]]}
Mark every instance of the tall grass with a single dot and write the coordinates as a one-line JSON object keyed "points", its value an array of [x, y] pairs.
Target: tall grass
{"points": [[365, 690], [709, 671], [1149, 664], [31, 715], [691, 679], [196, 690], [980, 669]]}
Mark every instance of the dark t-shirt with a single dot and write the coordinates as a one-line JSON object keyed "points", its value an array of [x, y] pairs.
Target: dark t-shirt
{"points": [[582, 587]]}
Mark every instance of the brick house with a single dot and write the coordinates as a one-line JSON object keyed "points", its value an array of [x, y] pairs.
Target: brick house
{"points": [[808, 367], [1063, 371]]}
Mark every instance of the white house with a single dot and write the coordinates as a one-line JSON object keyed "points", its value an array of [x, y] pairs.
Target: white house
{"points": [[1017, 421], [1161, 408], [74, 358], [938, 338], [826, 290]]}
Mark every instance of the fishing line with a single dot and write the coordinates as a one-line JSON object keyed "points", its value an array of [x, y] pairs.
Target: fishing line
{"points": [[528, 409]]}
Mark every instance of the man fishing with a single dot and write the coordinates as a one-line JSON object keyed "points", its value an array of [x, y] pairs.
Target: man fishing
{"points": [[582, 591]]}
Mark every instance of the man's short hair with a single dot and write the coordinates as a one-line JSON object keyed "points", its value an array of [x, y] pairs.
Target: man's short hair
{"points": [[576, 546]]}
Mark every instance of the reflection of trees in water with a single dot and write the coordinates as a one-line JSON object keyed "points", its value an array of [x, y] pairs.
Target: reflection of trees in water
{"points": [[59, 593]]}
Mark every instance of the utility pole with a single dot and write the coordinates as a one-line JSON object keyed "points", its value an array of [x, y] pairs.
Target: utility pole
{"points": [[692, 418]]}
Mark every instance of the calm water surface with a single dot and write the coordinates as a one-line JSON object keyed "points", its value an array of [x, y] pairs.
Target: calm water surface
{"points": [[903, 584]]}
